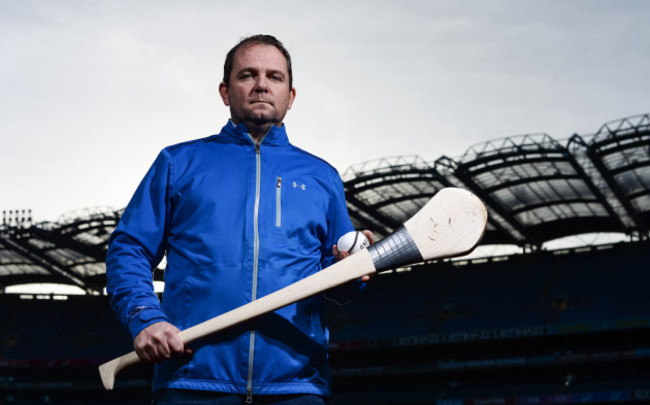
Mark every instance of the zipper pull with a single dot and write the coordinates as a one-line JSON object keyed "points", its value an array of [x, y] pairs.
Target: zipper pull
{"points": [[249, 396]]}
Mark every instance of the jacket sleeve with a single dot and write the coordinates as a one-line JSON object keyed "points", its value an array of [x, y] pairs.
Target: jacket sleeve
{"points": [[338, 221], [137, 246], [339, 224]]}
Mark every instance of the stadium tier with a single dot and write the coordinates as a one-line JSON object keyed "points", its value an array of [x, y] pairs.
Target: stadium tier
{"points": [[443, 333], [532, 326]]}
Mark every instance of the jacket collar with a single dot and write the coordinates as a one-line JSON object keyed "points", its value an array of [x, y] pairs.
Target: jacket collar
{"points": [[276, 136]]}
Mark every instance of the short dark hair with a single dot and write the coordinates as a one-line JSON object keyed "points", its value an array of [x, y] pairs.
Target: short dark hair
{"points": [[258, 39]]}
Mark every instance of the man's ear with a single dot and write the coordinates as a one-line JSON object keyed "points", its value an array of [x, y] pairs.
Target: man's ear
{"points": [[223, 91], [292, 96]]}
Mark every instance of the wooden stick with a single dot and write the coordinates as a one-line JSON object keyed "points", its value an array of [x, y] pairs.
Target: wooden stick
{"points": [[451, 224]]}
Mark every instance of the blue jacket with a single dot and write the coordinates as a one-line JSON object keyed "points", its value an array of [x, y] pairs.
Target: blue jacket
{"points": [[236, 221]]}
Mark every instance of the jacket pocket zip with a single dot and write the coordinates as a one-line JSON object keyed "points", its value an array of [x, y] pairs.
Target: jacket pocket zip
{"points": [[278, 202]]}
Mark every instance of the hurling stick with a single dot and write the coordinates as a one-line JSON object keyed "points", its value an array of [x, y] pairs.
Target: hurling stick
{"points": [[451, 224]]}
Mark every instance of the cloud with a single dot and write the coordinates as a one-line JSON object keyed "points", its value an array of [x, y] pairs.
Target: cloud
{"points": [[91, 91]]}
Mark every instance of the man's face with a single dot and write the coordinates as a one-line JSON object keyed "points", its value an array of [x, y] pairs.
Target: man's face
{"points": [[258, 94]]}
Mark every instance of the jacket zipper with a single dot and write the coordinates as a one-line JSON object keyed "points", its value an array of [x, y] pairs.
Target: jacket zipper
{"points": [[278, 202], [256, 253]]}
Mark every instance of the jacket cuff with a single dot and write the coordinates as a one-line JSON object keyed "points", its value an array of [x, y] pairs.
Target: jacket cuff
{"points": [[142, 317]]}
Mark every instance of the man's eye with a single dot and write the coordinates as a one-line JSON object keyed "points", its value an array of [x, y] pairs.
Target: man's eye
{"points": [[276, 78]]}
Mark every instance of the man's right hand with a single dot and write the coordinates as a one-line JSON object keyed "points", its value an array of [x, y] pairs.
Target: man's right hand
{"points": [[159, 342]]}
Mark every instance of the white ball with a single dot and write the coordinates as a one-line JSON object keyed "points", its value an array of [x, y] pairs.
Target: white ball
{"points": [[353, 242]]}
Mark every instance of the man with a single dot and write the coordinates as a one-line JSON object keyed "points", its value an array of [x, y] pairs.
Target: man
{"points": [[239, 215]]}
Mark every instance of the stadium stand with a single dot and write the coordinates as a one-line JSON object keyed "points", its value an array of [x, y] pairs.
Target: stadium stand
{"points": [[539, 325], [475, 311]]}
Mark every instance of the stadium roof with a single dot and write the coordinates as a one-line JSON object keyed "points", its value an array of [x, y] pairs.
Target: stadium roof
{"points": [[536, 189], [69, 251]]}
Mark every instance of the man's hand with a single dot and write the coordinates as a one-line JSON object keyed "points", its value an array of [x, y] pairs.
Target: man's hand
{"points": [[159, 342], [342, 254]]}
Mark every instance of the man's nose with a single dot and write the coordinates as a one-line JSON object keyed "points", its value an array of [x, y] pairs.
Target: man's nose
{"points": [[262, 84]]}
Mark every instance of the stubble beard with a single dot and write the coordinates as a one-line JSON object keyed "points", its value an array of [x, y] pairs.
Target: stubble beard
{"points": [[260, 119], [259, 124]]}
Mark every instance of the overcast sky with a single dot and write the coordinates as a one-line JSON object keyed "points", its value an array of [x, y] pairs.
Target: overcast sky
{"points": [[90, 91]]}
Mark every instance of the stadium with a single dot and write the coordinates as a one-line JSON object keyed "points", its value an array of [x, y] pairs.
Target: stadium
{"points": [[550, 309]]}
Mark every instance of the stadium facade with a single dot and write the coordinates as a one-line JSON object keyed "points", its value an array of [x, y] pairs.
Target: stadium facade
{"points": [[532, 326]]}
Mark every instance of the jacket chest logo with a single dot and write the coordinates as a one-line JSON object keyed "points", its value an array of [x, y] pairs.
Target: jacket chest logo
{"points": [[299, 186]]}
